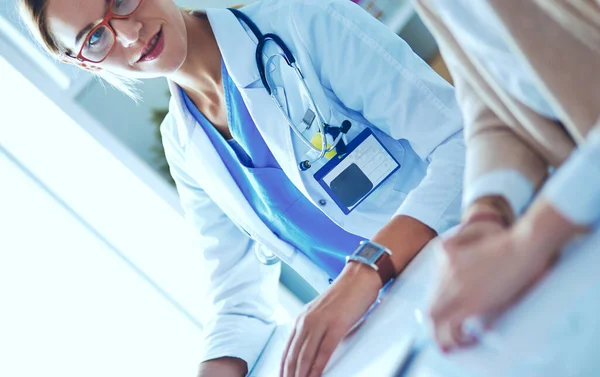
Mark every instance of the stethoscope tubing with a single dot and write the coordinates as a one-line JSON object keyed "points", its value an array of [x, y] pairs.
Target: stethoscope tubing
{"points": [[288, 57]]}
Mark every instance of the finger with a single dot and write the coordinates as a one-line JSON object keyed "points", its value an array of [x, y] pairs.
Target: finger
{"points": [[286, 350], [442, 336], [459, 336], [445, 302], [447, 317], [330, 342], [468, 341], [291, 358], [455, 298], [308, 352]]}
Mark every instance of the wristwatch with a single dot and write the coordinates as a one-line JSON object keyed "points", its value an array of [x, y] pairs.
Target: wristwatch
{"points": [[375, 256]]}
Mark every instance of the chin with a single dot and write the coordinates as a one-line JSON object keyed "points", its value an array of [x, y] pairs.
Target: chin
{"points": [[168, 63], [172, 57], [168, 66]]}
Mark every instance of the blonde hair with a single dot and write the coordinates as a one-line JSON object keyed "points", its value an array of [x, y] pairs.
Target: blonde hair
{"points": [[33, 14]]}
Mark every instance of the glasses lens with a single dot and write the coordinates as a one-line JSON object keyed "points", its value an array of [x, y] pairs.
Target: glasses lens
{"points": [[98, 44], [125, 7]]}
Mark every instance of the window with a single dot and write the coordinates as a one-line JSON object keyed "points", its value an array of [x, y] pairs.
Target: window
{"points": [[98, 276], [87, 286]]}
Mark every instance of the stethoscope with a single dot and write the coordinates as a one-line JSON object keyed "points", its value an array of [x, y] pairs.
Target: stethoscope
{"points": [[336, 133]]}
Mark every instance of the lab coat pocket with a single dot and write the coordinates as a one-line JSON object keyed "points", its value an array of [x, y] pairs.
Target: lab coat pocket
{"points": [[388, 190]]}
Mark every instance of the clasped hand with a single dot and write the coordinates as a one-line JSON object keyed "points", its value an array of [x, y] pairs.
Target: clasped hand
{"points": [[487, 266]]}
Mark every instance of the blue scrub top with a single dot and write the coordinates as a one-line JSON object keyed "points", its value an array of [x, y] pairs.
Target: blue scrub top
{"points": [[285, 210]]}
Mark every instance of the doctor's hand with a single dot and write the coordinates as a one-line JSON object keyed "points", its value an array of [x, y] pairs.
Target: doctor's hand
{"points": [[327, 320], [485, 274]]}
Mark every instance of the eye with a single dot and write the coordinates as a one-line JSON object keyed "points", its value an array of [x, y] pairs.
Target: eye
{"points": [[118, 4], [96, 37]]}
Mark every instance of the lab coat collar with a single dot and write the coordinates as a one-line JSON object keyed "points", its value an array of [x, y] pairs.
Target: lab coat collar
{"points": [[206, 166], [230, 33]]}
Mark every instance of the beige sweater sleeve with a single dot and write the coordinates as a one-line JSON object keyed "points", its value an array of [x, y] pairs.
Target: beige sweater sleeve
{"points": [[494, 148], [492, 145]]}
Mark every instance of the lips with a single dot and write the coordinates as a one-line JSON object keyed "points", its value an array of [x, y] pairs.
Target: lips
{"points": [[153, 48]]}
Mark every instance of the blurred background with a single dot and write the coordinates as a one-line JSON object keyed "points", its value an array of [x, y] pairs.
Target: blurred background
{"points": [[136, 125], [98, 272]]}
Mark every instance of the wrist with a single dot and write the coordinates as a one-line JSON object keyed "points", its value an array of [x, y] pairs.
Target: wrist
{"points": [[484, 216], [489, 208], [544, 230], [404, 236], [362, 275]]}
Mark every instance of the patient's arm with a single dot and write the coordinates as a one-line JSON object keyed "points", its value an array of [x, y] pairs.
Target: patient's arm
{"points": [[545, 230], [223, 367]]}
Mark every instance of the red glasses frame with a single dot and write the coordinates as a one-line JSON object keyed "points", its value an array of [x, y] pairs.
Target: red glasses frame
{"points": [[105, 22]]}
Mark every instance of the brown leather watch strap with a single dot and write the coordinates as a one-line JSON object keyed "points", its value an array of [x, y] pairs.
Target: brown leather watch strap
{"points": [[385, 268]]}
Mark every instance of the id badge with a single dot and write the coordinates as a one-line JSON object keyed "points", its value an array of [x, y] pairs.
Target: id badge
{"points": [[351, 179]]}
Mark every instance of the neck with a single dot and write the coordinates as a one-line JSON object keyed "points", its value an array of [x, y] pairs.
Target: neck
{"points": [[200, 73]]}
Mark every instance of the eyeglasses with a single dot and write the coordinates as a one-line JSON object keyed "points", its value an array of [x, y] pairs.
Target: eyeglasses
{"points": [[101, 40]]}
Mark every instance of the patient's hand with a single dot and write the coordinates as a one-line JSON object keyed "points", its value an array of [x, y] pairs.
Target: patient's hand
{"points": [[481, 278], [472, 232], [488, 267]]}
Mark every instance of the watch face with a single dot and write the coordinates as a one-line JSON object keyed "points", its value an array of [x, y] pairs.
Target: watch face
{"points": [[370, 252]]}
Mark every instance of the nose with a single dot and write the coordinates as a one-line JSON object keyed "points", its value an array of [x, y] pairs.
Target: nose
{"points": [[127, 31]]}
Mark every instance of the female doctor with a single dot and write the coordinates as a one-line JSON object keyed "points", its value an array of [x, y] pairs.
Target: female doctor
{"points": [[251, 176]]}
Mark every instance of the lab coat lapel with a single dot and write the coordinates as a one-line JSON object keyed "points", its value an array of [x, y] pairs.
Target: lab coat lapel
{"points": [[238, 47], [275, 131], [206, 166]]}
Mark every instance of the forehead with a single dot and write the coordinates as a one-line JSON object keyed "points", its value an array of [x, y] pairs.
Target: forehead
{"points": [[67, 17]]}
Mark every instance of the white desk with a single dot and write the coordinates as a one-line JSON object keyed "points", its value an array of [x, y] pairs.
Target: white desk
{"points": [[553, 331]]}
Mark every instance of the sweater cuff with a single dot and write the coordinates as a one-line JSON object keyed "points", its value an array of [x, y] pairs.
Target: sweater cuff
{"points": [[510, 184]]}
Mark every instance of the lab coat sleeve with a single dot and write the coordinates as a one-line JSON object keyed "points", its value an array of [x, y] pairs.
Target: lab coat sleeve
{"points": [[575, 188], [374, 72], [240, 293]]}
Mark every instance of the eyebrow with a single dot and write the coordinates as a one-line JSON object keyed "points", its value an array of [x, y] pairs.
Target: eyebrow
{"points": [[83, 32]]}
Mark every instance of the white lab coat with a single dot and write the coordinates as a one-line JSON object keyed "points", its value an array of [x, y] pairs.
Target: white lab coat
{"points": [[356, 69]]}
